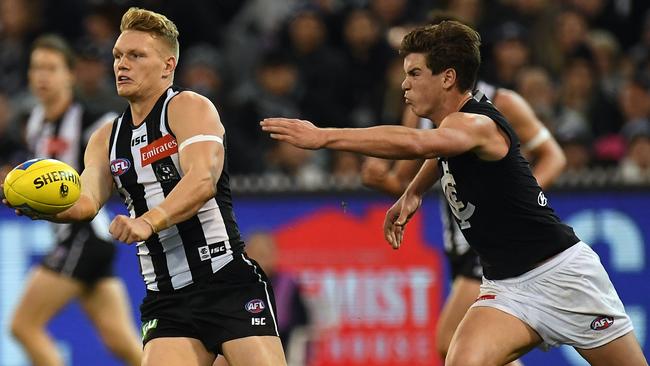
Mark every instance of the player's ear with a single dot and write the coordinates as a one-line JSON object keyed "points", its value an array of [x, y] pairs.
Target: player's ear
{"points": [[170, 67], [448, 78]]}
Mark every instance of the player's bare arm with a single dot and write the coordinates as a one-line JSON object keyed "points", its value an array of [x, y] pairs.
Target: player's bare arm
{"points": [[378, 174], [548, 158], [458, 133], [401, 212], [96, 179], [201, 162], [96, 182]]}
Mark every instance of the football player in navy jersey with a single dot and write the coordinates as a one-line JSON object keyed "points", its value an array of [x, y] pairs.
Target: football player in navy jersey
{"points": [[529, 296], [465, 267]]}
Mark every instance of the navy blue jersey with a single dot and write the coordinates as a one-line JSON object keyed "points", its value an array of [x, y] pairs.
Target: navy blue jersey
{"points": [[499, 207]]}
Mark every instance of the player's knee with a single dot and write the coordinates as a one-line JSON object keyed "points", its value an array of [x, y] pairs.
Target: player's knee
{"points": [[466, 356], [20, 329]]}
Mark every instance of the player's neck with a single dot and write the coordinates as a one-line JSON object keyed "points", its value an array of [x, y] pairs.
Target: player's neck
{"points": [[140, 107], [55, 108], [452, 104]]}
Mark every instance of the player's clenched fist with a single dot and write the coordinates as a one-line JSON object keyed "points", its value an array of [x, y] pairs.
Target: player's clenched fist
{"points": [[128, 230]]}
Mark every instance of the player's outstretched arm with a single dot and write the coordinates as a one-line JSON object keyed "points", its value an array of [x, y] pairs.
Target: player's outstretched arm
{"points": [[536, 140], [377, 173], [389, 142], [196, 124]]}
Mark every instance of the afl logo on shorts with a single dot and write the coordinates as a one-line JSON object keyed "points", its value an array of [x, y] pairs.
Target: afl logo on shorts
{"points": [[255, 306], [602, 322], [119, 166]]}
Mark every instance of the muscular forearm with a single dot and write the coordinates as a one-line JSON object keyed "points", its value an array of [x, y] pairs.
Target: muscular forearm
{"points": [[549, 163], [425, 179], [389, 142], [183, 202], [547, 170], [84, 209]]}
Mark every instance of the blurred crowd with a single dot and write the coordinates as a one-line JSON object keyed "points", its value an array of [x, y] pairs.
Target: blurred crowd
{"points": [[583, 65]]}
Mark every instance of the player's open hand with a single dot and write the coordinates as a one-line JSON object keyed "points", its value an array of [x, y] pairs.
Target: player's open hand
{"points": [[297, 132], [128, 230], [398, 216]]}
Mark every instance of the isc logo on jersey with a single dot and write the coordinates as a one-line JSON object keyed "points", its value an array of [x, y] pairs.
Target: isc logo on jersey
{"points": [[255, 306]]}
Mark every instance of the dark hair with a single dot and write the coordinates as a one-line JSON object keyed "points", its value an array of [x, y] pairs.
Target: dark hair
{"points": [[438, 16], [447, 45], [58, 44]]}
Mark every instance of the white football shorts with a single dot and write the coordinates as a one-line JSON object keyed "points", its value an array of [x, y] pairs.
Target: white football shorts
{"points": [[567, 300]]}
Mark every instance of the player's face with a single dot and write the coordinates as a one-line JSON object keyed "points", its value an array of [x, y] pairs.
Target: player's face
{"points": [[140, 64], [421, 87], [49, 75]]}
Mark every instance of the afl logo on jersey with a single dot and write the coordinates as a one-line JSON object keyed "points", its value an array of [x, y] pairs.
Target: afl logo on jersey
{"points": [[255, 306], [541, 199], [119, 166], [602, 322]]}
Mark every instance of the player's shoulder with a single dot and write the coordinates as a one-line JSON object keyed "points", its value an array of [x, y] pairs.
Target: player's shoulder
{"points": [[466, 120], [189, 99]]}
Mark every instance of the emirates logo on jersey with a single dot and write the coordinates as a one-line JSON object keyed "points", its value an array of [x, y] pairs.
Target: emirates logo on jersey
{"points": [[161, 148]]}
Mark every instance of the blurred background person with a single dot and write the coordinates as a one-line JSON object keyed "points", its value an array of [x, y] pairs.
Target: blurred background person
{"points": [[79, 267], [293, 315]]}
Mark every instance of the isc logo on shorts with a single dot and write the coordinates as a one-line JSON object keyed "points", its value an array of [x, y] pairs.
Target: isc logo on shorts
{"points": [[211, 251], [255, 306], [602, 322]]}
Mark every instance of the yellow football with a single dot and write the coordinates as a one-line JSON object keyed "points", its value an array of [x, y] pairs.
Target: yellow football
{"points": [[47, 186]]}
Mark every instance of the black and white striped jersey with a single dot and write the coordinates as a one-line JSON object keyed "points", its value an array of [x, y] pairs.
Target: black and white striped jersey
{"points": [[145, 165], [65, 139]]}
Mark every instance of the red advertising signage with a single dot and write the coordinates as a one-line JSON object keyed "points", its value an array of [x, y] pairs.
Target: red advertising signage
{"points": [[372, 305]]}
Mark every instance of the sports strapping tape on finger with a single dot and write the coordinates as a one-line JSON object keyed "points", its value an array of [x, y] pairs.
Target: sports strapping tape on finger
{"points": [[199, 138]]}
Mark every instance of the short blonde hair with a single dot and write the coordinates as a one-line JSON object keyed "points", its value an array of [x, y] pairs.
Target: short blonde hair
{"points": [[150, 22]]}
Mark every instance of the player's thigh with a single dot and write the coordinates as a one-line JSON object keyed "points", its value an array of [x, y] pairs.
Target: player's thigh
{"points": [[176, 351], [106, 304], [45, 294], [623, 351], [256, 350], [464, 292], [220, 361], [488, 336]]}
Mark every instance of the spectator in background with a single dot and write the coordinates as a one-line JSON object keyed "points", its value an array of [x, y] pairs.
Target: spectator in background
{"points": [[635, 166], [575, 141], [275, 91], [202, 72], [634, 101], [606, 51], [367, 54], [535, 85], [319, 65], [293, 315], [95, 85], [583, 102], [570, 30], [12, 151], [19, 21], [509, 54]]}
